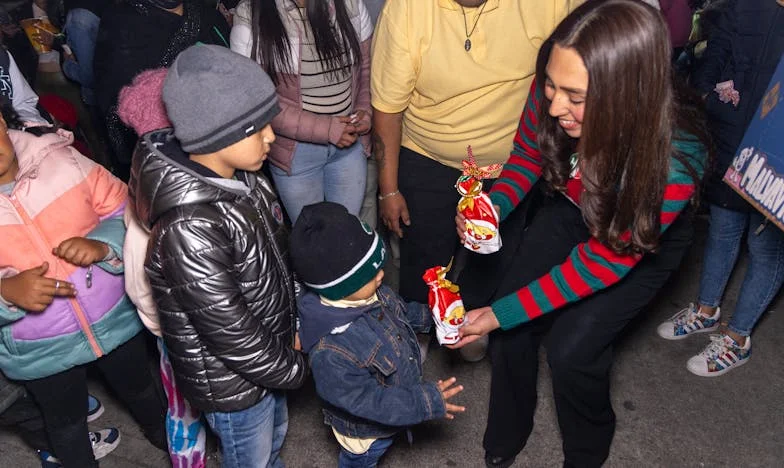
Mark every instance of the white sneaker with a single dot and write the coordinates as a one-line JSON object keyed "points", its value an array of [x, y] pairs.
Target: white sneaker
{"points": [[720, 356], [688, 321], [104, 442]]}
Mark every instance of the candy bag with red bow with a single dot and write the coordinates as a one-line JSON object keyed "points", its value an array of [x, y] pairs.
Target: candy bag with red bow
{"points": [[482, 220], [445, 303]]}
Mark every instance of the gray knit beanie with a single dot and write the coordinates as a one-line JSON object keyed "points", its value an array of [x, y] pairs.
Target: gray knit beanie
{"points": [[215, 97]]}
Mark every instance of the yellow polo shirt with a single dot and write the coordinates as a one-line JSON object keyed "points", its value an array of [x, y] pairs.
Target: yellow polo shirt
{"points": [[451, 98]]}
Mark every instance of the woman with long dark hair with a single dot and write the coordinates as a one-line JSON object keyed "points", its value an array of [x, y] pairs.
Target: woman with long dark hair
{"points": [[620, 155], [318, 54]]}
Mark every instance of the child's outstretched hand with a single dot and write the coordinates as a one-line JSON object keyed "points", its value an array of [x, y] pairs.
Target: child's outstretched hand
{"points": [[448, 391], [32, 291], [80, 251]]}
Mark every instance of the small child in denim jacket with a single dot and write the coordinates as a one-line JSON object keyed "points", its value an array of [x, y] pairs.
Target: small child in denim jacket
{"points": [[360, 336]]}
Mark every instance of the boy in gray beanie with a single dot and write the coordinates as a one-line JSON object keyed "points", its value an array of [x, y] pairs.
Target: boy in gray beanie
{"points": [[359, 336], [217, 259]]}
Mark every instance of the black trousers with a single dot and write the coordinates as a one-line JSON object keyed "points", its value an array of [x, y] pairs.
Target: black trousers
{"points": [[579, 338], [62, 398], [431, 239]]}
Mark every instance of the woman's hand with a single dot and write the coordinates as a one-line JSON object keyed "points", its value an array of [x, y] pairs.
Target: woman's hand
{"points": [[349, 135], [361, 122], [80, 251], [479, 322], [32, 291], [393, 209]]}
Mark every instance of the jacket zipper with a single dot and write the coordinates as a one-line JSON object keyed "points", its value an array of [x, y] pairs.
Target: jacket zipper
{"points": [[279, 259], [78, 311]]}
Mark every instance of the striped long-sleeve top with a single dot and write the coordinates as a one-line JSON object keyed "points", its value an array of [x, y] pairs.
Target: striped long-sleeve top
{"points": [[591, 266]]}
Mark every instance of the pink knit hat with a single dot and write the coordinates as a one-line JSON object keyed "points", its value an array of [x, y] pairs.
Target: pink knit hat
{"points": [[140, 105]]}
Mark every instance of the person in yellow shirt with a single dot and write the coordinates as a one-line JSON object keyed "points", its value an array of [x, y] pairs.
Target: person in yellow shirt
{"points": [[446, 74]]}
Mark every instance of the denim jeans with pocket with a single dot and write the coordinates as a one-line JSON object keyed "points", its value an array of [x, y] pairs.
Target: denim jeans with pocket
{"points": [[323, 173], [81, 29], [368, 459], [253, 436], [765, 272]]}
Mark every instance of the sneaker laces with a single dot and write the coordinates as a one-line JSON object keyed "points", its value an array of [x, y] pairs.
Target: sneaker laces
{"points": [[685, 315], [95, 437], [717, 347]]}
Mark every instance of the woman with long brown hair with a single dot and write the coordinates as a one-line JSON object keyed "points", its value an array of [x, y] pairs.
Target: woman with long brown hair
{"points": [[620, 154]]}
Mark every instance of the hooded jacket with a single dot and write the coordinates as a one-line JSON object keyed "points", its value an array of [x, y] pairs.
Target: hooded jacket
{"points": [[367, 365], [746, 45], [61, 194], [218, 267]]}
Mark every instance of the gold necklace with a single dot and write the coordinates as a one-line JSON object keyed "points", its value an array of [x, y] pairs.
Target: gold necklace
{"points": [[467, 43]]}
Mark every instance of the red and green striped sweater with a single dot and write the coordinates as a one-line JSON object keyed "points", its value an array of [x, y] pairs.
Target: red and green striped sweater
{"points": [[591, 266]]}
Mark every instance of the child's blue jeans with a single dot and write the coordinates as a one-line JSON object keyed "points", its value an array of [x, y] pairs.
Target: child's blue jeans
{"points": [[253, 436], [368, 459]]}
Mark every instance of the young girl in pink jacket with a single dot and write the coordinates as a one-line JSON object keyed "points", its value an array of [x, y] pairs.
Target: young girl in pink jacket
{"points": [[63, 302]]}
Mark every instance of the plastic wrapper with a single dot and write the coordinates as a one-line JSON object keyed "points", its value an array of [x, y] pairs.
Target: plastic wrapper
{"points": [[482, 235], [445, 304], [33, 26]]}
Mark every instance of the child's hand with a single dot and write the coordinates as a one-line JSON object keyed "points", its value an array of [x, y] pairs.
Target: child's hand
{"points": [[447, 392], [80, 251], [32, 291]]}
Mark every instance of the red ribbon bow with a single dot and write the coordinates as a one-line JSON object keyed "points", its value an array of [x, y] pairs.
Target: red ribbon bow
{"points": [[470, 168]]}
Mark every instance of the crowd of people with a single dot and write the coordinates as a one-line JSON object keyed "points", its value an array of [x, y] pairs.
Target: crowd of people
{"points": [[243, 279]]}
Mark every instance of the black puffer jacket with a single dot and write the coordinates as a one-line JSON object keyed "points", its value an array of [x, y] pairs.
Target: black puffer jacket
{"points": [[745, 46], [219, 271]]}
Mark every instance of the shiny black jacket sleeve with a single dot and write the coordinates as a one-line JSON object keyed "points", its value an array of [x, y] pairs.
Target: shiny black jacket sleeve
{"points": [[197, 264]]}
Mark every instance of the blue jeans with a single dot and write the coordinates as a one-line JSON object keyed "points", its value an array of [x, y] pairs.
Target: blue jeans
{"points": [[368, 459], [323, 172], [253, 436], [81, 30], [765, 272]]}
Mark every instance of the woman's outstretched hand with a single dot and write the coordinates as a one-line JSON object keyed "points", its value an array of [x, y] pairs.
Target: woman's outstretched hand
{"points": [[479, 322]]}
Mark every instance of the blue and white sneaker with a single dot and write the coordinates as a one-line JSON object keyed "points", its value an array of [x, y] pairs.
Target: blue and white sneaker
{"points": [[688, 321], [48, 460], [720, 356], [104, 442], [94, 408]]}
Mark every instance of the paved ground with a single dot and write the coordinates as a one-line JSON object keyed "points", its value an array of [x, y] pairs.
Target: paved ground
{"points": [[666, 416]]}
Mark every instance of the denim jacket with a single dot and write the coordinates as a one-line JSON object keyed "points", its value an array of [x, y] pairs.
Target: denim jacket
{"points": [[369, 375]]}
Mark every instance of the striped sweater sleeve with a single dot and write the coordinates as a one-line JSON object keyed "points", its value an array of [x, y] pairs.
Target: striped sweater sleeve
{"points": [[592, 266], [524, 166]]}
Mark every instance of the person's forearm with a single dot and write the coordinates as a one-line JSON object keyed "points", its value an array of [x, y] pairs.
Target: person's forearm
{"points": [[387, 134]]}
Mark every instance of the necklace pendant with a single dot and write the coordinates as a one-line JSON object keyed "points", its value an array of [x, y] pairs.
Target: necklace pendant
{"points": [[467, 45]]}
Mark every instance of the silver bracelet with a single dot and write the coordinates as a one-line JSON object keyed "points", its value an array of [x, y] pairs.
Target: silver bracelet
{"points": [[387, 195]]}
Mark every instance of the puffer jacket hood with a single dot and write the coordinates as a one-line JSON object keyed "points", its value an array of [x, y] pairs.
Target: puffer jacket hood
{"points": [[162, 180], [218, 267]]}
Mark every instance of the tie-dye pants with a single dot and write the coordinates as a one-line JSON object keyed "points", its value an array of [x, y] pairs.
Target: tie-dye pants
{"points": [[187, 432]]}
